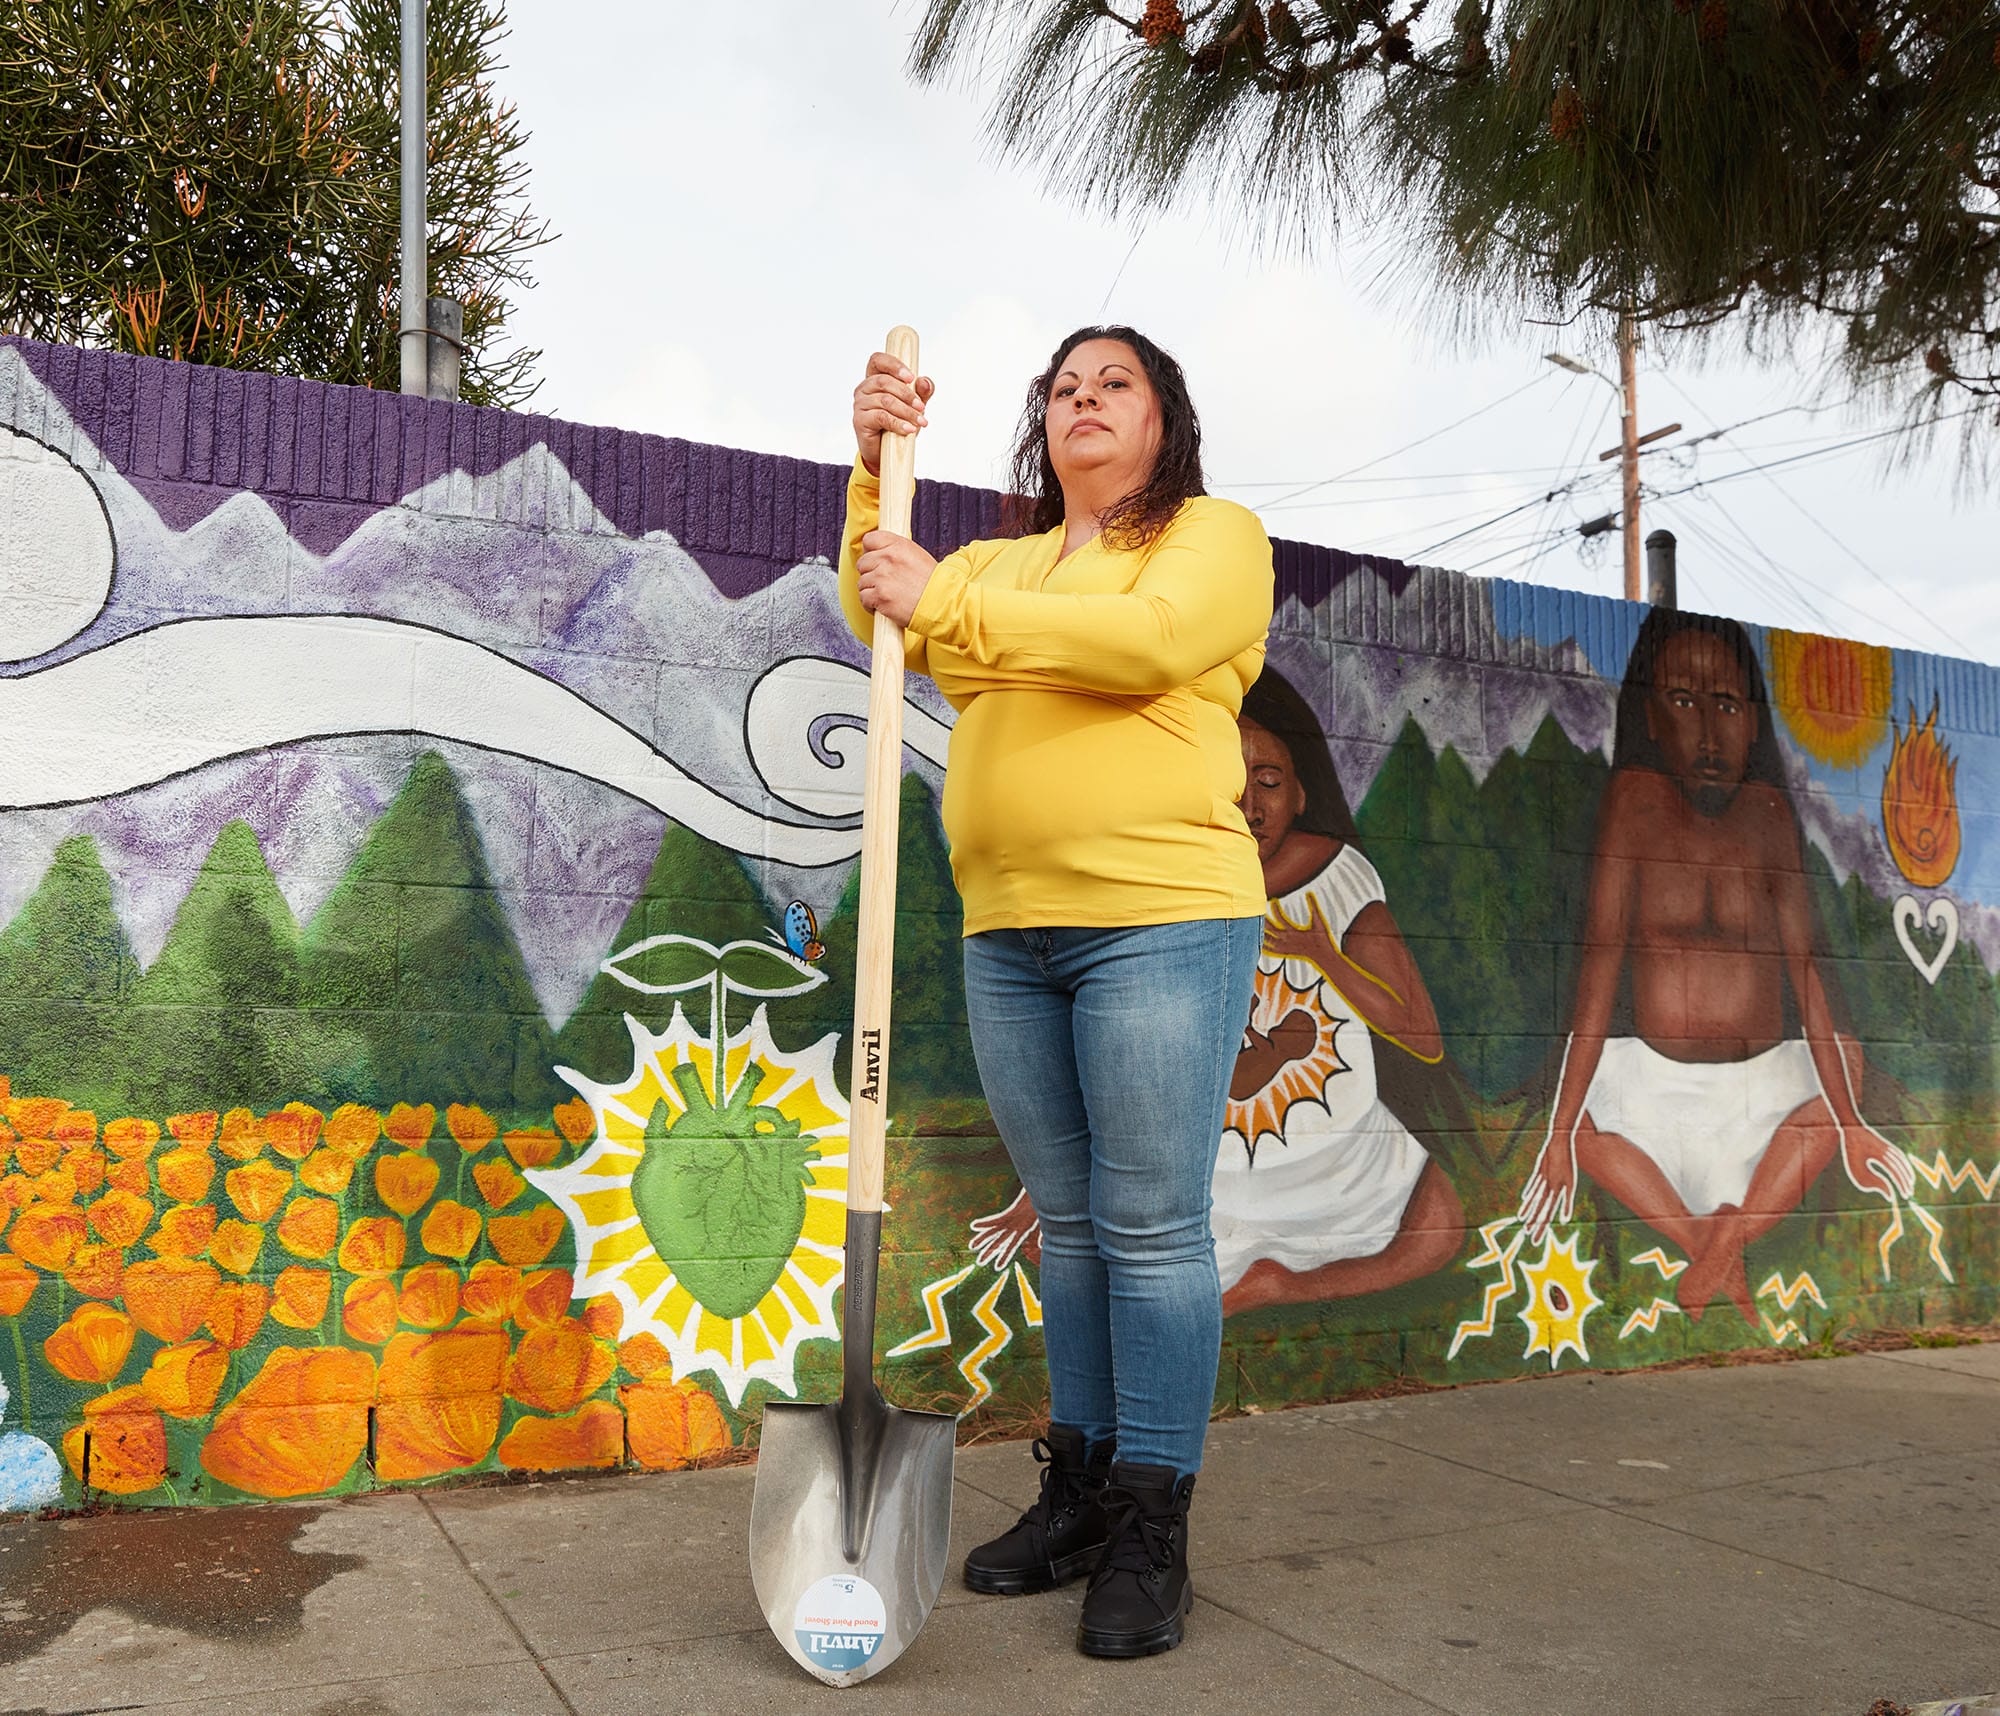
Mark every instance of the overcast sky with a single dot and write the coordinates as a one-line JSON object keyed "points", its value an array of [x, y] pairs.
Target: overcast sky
{"points": [[744, 208]]}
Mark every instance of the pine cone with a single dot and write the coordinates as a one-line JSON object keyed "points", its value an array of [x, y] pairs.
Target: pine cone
{"points": [[1255, 24], [1284, 24], [1996, 50], [1163, 19], [1713, 23], [1565, 114], [1937, 363]]}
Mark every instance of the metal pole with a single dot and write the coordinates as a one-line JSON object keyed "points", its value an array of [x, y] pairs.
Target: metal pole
{"points": [[1628, 373], [1661, 582], [415, 275]]}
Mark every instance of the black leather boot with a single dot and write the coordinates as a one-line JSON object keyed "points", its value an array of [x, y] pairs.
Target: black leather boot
{"points": [[1062, 1535], [1140, 1594]]}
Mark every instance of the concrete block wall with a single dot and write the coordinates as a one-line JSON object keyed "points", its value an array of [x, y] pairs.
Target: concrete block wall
{"points": [[405, 1078]]}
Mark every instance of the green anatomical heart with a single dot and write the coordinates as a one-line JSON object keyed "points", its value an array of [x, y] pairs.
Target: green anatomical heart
{"points": [[721, 1191]]}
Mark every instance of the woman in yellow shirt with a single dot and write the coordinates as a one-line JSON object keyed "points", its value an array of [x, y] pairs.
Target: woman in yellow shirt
{"points": [[1113, 913]]}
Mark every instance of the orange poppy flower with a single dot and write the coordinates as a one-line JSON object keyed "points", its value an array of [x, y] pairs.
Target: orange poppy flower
{"points": [[576, 1120], [451, 1229], [37, 1155], [242, 1138], [93, 1345], [97, 1272], [554, 1368], [372, 1243], [121, 1217], [298, 1426], [126, 1443], [604, 1317], [186, 1173], [87, 1167], [491, 1291], [184, 1230], [672, 1424], [131, 1140], [35, 1116], [646, 1357], [533, 1146], [310, 1226], [57, 1186], [545, 1297], [368, 1309], [130, 1177], [526, 1239], [351, 1130], [472, 1127], [438, 1402], [405, 1181], [430, 1296], [594, 1436], [79, 1126], [299, 1296], [498, 1184], [18, 1190], [293, 1130], [257, 1188], [194, 1129], [327, 1170], [17, 1286], [236, 1312], [183, 1381], [169, 1297], [235, 1246], [47, 1235], [411, 1126]]}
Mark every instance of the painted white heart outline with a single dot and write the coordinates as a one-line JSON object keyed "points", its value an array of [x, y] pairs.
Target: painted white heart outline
{"points": [[1941, 919]]}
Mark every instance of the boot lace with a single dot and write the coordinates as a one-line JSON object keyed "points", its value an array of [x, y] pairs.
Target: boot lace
{"points": [[1139, 1541], [1061, 1490]]}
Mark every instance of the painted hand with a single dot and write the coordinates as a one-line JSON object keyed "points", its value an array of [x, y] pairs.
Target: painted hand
{"points": [[889, 400], [1311, 941], [1876, 1166], [997, 1237], [1550, 1194], [894, 571]]}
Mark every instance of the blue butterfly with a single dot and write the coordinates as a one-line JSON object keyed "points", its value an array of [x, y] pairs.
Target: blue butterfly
{"points": [[802, 932]]}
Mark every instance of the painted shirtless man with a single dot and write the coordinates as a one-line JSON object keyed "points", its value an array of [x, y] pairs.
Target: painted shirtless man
{"points": [[1709, 1121]]}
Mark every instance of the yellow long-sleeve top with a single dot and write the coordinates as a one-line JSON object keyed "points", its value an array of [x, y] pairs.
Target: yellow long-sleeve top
{"points": [[1095, 764]]}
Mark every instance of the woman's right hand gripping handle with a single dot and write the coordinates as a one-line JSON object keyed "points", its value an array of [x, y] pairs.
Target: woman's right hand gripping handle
{"points": [[889, 400]]}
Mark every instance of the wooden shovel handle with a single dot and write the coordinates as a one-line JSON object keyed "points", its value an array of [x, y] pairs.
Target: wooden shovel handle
{"points": [[875, 956]]}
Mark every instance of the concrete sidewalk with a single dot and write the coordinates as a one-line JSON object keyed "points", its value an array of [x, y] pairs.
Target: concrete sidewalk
{"points": [[1801, 1538]]}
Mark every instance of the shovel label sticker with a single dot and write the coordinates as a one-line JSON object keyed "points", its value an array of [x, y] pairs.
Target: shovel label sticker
{"points": [[839, 1623]]}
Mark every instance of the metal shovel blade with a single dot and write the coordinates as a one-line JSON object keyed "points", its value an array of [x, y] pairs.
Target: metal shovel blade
{"points": [[849, 1529]]}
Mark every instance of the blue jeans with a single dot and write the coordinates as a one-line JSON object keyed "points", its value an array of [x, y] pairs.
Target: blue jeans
{"points": [[1105, 1056]]}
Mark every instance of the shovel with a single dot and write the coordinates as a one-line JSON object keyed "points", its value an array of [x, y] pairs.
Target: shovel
{"points": [[852, 1510]]}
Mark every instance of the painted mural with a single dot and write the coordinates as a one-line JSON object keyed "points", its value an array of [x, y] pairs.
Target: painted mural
{"points": [[427, 908]]}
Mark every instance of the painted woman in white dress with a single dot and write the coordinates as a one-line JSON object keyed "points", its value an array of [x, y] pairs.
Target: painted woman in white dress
{"points": [[1321, 1191]]}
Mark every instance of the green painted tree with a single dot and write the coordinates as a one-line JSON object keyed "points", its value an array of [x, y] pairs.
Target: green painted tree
{"points": [[66, 978], [413, 955]]}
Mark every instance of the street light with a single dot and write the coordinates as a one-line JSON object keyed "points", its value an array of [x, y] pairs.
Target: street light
{"points": [[1576, 366]]}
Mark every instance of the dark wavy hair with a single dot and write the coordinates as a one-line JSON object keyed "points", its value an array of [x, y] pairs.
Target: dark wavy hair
{"points": [[1036, 503], [1633, 745], [1275, 704]]}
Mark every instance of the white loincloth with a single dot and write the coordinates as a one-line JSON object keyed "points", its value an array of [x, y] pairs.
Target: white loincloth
{"points": [[1336, 1180], [1705, 1124]]}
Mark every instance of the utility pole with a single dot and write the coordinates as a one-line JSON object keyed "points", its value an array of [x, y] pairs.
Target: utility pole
{"points": [[1628, 375], [414, 325]]}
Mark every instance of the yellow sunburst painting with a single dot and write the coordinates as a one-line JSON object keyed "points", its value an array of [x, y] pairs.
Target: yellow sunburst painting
{"points": [[1300, 1040], [712, 1203]]}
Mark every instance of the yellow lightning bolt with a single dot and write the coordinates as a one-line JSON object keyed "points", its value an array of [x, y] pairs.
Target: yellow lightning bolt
{"points": [[973, 1366], [1031, 1307], [1893, 1233], [1498, 1293], [938, 1332], [1940, 1172], [1804, 1287], [1779, 1331], [1935, 1228], [1648, 1317], [1668, 1267]]}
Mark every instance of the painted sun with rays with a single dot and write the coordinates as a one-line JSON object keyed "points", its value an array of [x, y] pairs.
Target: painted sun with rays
{"points": [[1291, 1047], [711, 1204]]}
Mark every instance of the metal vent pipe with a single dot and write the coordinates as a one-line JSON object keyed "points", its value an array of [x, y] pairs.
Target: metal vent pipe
{"points": [[414, 340]]}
